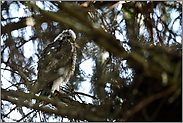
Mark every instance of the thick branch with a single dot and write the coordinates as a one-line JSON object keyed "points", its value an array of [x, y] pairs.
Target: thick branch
{"points": [[88, 113]]}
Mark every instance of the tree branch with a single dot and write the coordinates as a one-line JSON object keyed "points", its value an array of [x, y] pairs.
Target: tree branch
{"points": [[82, 112]]}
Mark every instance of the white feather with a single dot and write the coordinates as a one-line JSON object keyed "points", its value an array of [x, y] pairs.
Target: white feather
{"points": [[60, 81], [61, 71], [72, 34], [56, 84]]}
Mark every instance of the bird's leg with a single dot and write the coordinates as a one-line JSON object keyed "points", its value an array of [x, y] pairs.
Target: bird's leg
{"points": [[60, 91], [57, 94]]}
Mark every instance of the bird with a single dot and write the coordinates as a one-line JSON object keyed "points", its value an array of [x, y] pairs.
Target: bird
{"points": [[57, 63]]}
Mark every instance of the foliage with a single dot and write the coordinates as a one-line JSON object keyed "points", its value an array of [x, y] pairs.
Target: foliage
{"points": [[136, 49]]}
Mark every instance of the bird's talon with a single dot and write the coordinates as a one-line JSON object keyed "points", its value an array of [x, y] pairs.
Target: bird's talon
{"points": [[56, 94]]}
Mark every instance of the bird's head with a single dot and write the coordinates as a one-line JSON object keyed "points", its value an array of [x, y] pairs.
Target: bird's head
{"points": [[66, 34]]}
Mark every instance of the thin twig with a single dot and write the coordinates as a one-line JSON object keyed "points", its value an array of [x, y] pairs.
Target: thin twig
{"points": [[85, 94], [10, 111], [25, 116]]}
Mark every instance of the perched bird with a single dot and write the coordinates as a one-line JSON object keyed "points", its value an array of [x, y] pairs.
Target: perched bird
{"points": [[57, 63]]}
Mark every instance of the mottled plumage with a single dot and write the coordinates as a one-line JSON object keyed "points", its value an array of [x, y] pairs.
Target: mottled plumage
{"points": [[57, 63]]}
